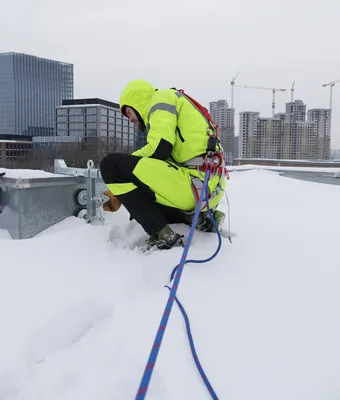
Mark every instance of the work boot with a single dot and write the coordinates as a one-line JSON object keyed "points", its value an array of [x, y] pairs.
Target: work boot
{"points": [[205, 224], [165, 239]]}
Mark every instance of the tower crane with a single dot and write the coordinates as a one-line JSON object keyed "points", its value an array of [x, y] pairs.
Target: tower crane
{"points": [[232, 90], [292, 93], [330, 84], [274, 90]]}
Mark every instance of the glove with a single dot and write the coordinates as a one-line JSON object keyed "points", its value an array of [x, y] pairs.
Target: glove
{"points": [[111, 205]]}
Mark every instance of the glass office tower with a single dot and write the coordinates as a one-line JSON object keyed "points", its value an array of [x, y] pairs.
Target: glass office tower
{"points": [[30, 90]]}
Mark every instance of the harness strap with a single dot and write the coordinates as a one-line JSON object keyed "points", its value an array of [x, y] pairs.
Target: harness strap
{"points": [[193, 162], [197, 186], [218, 171]]}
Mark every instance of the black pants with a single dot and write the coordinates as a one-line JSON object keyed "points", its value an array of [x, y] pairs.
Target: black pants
{"points": [[141, 202]]}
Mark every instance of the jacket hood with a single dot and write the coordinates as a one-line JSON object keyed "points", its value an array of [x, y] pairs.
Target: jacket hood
{"points": [[137, 94]]}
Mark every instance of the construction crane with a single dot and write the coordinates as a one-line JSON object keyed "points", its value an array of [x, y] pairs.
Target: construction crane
{"points": [[292, 93], [330, 84], [274, 90], [232, 90]]}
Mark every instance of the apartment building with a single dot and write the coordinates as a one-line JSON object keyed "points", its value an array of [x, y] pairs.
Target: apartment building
{"points": [[269, 138], [322, 119], [295, 111], [248, 143], [225, 118]]}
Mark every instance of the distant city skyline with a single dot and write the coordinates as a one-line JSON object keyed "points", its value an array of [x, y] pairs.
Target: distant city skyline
{"points": [[236, 96], [270, 44], [294, 134], [282, 98]]}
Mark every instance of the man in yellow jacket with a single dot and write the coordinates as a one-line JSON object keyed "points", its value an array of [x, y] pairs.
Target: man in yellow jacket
{"points": [[159, 183]]}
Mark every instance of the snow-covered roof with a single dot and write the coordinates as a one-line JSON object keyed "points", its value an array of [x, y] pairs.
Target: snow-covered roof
{"points": [[80, 304]]}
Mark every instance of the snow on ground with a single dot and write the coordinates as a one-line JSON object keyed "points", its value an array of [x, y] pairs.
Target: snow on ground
{"points": [[80, 305], [27, 173], [284, 168], [34, 173]]}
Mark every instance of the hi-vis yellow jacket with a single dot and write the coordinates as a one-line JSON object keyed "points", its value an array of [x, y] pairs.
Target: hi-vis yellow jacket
{"points": [[176, 133], [175, 127]]}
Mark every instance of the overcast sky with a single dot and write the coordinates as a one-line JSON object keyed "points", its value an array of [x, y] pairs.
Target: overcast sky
{"points": [[191, 44]]}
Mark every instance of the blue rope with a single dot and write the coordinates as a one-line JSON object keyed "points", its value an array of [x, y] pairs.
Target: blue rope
{"points": [[219, 241], [186, 318], [193, 351], [144, 384]]}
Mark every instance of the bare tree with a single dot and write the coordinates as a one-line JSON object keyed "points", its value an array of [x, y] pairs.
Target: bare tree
{"points": [[76, 154]]}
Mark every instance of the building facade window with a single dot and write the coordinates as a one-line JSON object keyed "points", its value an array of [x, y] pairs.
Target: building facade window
{"points": [[91, 125], [75, 111], [91, 110], [62, 111], [91, 118], [76, 118]]}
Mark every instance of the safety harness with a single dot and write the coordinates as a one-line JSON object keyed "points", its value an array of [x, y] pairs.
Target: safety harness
{"points": [[213, 158]]}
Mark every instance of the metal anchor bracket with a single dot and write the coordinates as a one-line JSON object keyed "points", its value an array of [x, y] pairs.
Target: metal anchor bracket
{"points": [[93, 210]]}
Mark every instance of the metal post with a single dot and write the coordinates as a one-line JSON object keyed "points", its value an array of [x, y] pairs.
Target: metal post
{"points": [[232, 90], [93, 203], [331, 96]]}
